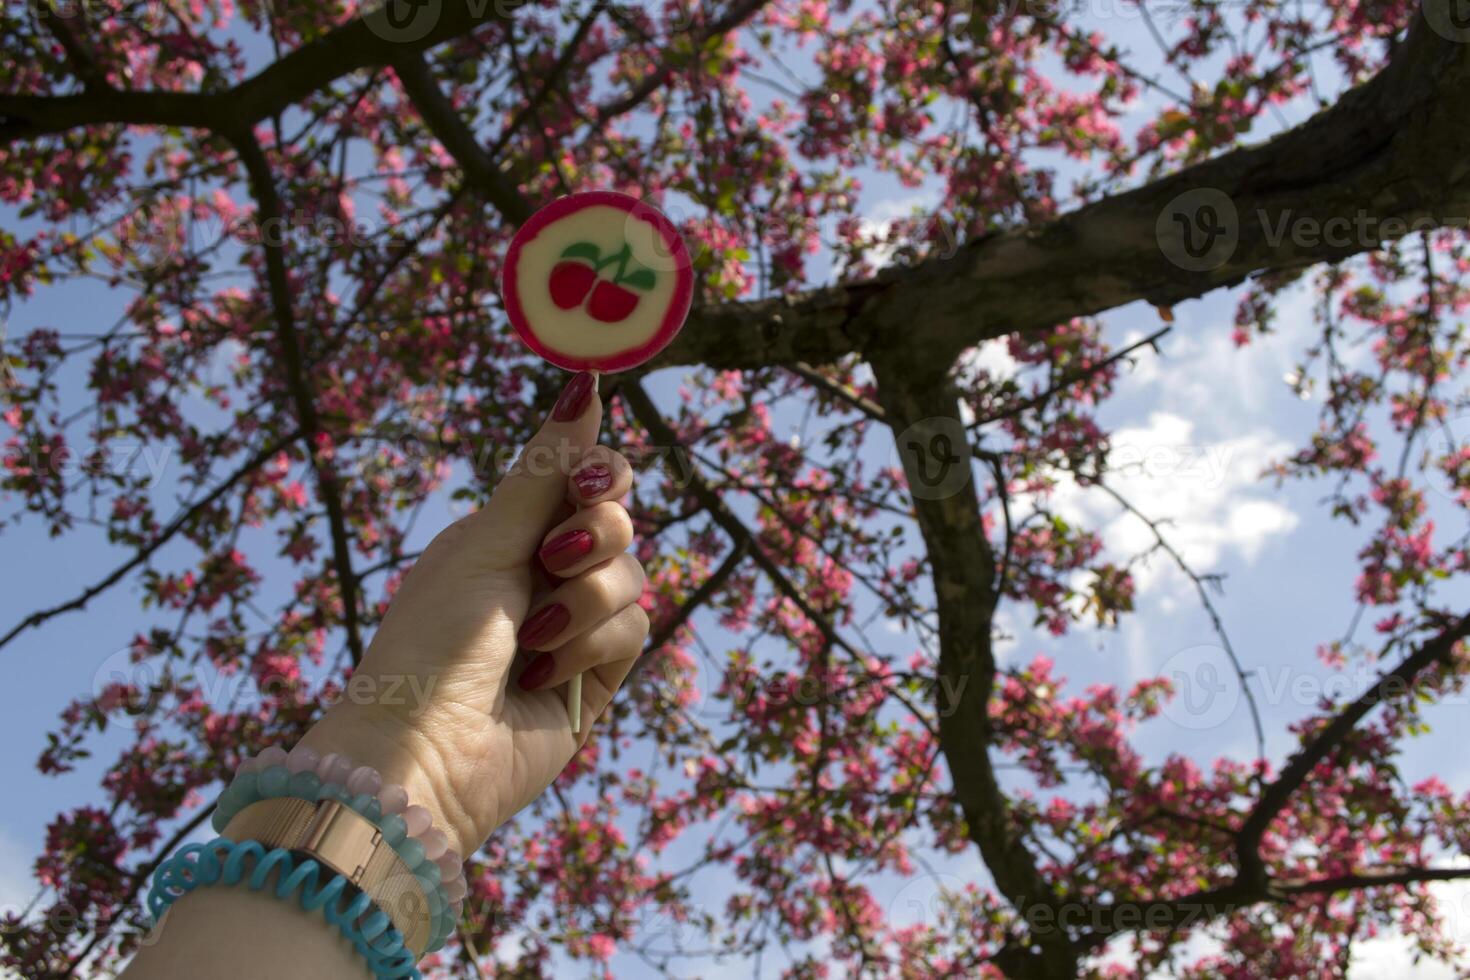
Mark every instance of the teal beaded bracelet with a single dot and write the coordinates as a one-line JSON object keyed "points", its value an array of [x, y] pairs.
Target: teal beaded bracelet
{"points": [[277, 781]]}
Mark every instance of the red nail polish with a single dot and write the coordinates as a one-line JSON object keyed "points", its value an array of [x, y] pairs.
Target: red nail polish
{"points": [[543, 625], [537, 672], [574, 398], [565, 550], [592, 481]]}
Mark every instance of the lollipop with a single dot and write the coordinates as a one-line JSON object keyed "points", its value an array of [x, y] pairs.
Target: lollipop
{"points": [[597, 282]]}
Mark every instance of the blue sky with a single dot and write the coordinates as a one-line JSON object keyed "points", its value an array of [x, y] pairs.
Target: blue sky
{"points": [[1201, 418]]}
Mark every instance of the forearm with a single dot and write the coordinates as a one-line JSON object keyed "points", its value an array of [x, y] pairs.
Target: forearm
{"points": [[232, 933]]}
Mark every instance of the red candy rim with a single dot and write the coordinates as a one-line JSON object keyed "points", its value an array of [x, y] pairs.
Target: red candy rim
{"points": [[674, 316]]}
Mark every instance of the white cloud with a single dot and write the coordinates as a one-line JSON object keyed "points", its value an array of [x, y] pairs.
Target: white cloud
{"points": [[1393, 954], [879, 221], [1206, 495], [992, 357], [1201, 372]]}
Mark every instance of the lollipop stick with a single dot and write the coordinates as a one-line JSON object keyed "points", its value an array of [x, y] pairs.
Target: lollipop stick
{"points": [[574, 687], [574, 703]]}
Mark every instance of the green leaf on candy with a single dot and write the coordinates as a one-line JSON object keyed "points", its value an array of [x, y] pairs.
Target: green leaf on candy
{"points": [[582, 250], [639, 279]]}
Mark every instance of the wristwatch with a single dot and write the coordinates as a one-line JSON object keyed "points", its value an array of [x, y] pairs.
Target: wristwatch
{"points": [[340, 838]]}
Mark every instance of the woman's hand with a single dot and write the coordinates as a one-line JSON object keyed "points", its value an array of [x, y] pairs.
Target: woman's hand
{"points": [[441, 704]]}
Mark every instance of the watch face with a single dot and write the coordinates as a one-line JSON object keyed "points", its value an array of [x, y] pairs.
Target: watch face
{"points": [[597, 282]]}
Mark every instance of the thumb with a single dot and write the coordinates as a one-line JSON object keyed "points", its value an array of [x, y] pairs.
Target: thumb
{"points": [[529, 497]]}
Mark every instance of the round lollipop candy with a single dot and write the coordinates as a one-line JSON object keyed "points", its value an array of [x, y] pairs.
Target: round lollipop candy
{"points": [[597, 282]]}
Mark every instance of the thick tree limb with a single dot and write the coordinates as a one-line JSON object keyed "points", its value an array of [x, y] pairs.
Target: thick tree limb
{"points": [[1397, 147], [963, 568]]}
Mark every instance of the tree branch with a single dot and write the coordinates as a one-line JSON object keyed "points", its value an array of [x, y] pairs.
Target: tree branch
{"points": [[365, 42], [1370, 879], [1278, 793], [706, 591], [698, 598], [733, 19], [162, 538], [449, 128], [83, 63], [1253, 883], [268, 204]]}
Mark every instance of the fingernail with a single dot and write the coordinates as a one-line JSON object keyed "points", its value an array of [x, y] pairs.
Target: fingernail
{"points": [[574, 397], [592, 481], [537, 672], [565, 550], [543, 625]]}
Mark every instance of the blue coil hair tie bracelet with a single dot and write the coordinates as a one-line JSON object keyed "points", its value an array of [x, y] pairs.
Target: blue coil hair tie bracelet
{"points": [[352, 912]]}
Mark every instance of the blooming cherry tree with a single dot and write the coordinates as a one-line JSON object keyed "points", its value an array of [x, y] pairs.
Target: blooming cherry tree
{"points": [[302, 210]]}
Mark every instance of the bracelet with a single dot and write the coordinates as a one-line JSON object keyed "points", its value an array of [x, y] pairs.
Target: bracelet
{"points": [[364, 925], [277, 809], [343, 841], [365, 793]]}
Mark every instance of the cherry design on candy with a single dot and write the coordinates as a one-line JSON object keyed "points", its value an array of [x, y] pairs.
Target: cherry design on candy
{"points": [[573, 280]]}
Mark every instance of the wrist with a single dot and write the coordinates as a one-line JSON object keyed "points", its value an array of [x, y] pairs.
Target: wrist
{"points": [[370, 736]]}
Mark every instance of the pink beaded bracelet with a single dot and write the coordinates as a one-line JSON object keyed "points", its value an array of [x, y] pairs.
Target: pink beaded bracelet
{"points": [[337, 769]]}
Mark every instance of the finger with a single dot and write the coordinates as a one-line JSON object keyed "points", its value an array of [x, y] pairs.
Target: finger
{"points": [[616, 639], [508, 530], [577, 605], [602, 474], [588, 538]]}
